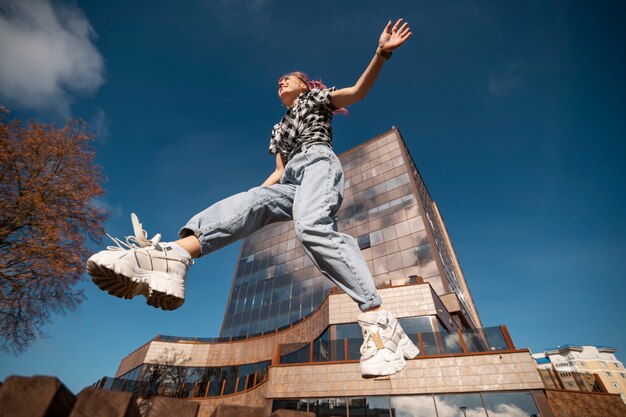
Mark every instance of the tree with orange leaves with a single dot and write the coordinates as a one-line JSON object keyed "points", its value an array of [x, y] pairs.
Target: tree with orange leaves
{"points": [[48, 182]]}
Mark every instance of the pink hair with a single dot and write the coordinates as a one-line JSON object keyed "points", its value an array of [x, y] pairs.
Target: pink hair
{"points": [[313, 84]]}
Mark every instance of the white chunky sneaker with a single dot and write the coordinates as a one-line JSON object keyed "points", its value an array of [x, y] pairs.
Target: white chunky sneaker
{"points": [[385, 346], [141, 266]]}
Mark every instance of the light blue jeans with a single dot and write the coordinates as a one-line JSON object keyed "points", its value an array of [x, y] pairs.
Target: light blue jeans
{"points": [[310, 192]]}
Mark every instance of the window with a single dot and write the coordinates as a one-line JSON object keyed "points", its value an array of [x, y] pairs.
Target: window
{"points": [[460, 405], [615, 384], [300, 405], [609, 374], [327, 407], [412, 406], [510, 404], [364, 241], [414, 325], [376, 237], [372, 406], [497, 404]]}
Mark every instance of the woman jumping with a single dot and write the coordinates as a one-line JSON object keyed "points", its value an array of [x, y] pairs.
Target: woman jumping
{"points": [[307, 187]]}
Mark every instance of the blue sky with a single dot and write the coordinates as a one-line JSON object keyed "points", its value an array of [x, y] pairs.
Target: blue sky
{"points": [[514, 112]]}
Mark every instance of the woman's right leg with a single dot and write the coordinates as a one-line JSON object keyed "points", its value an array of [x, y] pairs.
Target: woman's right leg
{"points": [[157, 270], [235, 217]]}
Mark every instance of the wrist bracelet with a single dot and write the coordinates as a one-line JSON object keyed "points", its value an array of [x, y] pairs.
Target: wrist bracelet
{"points": [[384, 54]]}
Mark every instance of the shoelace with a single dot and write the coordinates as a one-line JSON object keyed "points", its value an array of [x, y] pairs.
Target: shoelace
{"points": [[139, 240], [366, 341], [371, 339]]}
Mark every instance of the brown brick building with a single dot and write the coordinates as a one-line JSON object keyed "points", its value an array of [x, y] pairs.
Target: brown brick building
{"points": [[289, 339]]}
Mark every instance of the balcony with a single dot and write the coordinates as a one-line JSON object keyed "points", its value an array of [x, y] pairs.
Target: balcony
{"points": [[431, 345]]}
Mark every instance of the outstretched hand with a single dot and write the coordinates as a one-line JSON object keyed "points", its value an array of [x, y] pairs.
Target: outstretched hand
{"points": [[393, 37]]}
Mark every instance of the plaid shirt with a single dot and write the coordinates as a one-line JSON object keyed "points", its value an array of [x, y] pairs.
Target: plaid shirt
{"points": [[308, 121]]}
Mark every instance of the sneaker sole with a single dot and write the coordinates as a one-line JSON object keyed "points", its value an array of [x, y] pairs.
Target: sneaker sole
{"points": [[123, 286], [408, 350], [390, 368], [164, 301], [114, 283]]}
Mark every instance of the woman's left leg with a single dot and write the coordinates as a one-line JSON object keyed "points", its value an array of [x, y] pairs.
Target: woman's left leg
{"points": [[335, 254], [385, 345]]}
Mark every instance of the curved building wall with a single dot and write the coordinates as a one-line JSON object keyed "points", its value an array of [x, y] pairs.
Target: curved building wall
{"points": [[407, 301]]}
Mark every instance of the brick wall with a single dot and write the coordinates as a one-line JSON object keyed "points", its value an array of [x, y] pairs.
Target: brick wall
{"points": [[233, 353], [407, 301], [481, 372], [587, 404], [413, 300]]}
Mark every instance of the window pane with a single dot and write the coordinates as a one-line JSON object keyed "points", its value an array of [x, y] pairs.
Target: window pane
{"points": [[460, 405], [510, 404], [451, 342], [364, 241], [424, 253], [414, 325], [321, 348], [474, 340], [413, 406], [376, 237], [495, 338], [229, 373], [432, 343], [289, 405], [328, 407], [296, 353], [370, 406], [352, 332]]}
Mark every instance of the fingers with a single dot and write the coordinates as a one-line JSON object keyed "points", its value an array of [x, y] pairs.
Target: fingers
{"points": [[406, 36], [387, 29], [397, 25], [400, 28], [404, 30], [396, 35]]}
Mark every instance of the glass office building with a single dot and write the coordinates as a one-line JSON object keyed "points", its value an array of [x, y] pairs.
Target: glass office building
{"points": [[290, 340], [387, 208]]}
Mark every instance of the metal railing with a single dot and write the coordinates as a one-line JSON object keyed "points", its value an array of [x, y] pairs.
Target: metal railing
{"points": [[171, 382], [431, 344]]}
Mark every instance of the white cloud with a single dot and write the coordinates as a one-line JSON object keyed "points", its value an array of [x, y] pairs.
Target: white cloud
{"points": [[47, 53], [99, 124], [507, 410]]}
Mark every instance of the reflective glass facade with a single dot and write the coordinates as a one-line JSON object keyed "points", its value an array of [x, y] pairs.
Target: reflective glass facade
{"points": [[342, 342], [148, 380], [276, 284], [492, 404]]}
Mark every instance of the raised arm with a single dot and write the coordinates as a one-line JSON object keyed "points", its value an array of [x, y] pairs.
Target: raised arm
{"points": [[274, 178], [390, 39]]}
